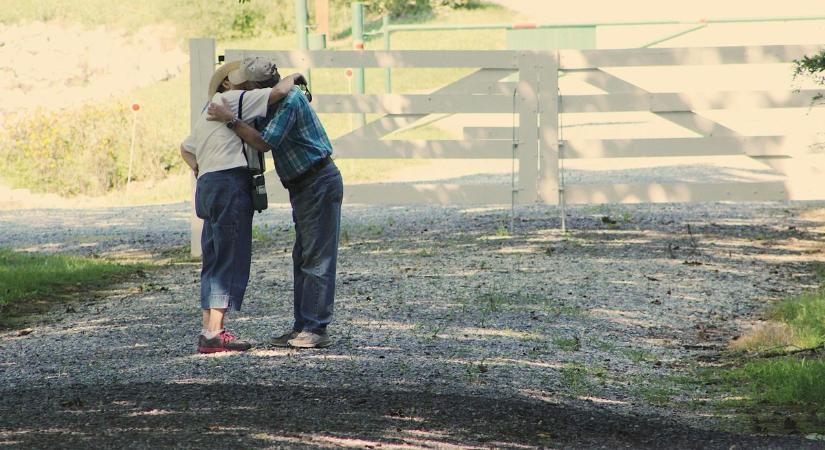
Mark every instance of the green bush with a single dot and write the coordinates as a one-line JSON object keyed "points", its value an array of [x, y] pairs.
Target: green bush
{"points": [[87, 154], [406, 8], [222, 19]]}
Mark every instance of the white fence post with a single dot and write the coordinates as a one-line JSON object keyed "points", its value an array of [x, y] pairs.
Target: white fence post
{"points": [[201, 67], [527, 108], [549, 192]]}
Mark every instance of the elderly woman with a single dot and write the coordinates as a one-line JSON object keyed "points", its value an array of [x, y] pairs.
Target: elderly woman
{"points": [[224, 190]]}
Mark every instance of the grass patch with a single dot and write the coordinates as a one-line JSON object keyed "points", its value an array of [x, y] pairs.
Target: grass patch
{"points": [[638, 355], [795, 323], [782, 393], [572, 344], [32, 283], [786, 381], [574, 378]]}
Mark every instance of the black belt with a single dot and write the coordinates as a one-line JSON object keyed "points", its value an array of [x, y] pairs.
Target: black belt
{"points": [[313, 169]]}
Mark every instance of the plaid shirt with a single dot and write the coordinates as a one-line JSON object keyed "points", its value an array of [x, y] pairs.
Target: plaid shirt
{"points": [[297, 138]]}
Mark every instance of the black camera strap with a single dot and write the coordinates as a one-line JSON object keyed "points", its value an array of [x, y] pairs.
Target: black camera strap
{"points": [[240, 117], [260, 167], [259, 198]]}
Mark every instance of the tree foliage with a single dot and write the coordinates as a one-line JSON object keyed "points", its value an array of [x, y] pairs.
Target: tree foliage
{"points": [[811, 67]]}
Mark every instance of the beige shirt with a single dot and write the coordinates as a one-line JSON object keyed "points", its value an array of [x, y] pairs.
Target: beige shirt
{"points": [[215, 146]]}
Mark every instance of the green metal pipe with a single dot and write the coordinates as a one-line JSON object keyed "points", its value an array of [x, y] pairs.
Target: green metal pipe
{"points": [[358, 44], [674, 36], [301, 30], [510, 26], [387, 73]]}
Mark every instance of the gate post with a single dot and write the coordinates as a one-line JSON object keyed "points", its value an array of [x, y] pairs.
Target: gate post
{"points": [[528, 145], [549, 189], [201, 67]]}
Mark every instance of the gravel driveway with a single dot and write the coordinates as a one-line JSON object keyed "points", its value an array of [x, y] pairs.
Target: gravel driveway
{"points": [[450, 332]]}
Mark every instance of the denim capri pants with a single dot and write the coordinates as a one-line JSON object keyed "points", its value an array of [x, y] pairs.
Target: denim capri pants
{"points": [[223, 199]]}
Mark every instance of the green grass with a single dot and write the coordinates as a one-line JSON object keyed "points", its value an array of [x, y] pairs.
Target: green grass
{"points": [[572, 344], [574, 379], [638, 355], [805, 314], [785, 388], [784, 381], [29, 283]]}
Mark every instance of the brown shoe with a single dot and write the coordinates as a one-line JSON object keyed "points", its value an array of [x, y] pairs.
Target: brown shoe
{"points": [[224, 342], [283, 340], [308, 339]]}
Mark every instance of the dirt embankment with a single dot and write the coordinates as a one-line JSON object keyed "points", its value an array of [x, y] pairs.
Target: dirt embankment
{"points": [[53, 66]]}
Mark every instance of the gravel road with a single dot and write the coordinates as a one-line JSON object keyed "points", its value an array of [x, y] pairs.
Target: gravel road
{"points": [[450, 331]]}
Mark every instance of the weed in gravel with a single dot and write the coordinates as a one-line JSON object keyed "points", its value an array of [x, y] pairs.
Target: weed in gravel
{"points": [[178, 255], [574, 377], [262, 234], [569, 311], [605, 346], [600, 373], [574, 242], [492, 301], [638, 355], [571, 344], [656, 395]]}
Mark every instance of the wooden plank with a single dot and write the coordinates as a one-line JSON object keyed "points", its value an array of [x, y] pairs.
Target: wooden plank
{"points": [[549, 177], [491, 59], [444, 149], [406, 193], [696, 123], [700, 125], [482, 81], [393, 122], [382, 126], [592, 59], [201, 68], [496, 133], [660, 102], [527, 151], [675, 193], [609, 82], [413, 104], [665, 147]]}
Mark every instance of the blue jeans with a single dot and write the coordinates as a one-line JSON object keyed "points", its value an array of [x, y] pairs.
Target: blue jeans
{"points": [[316, 211], [223, 200]]}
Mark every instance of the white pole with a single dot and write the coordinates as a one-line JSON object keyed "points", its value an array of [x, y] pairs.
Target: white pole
{"points": [[135, 108]]}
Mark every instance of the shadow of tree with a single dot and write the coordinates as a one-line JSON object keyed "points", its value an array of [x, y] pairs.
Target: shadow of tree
{"points": [[296, 415]]}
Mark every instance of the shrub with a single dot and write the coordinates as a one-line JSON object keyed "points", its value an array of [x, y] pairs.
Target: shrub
{"points": [[86, 154], [405, 8]]}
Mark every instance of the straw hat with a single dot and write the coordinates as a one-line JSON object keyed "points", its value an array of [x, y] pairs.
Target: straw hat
{"points": [[220, 74]]}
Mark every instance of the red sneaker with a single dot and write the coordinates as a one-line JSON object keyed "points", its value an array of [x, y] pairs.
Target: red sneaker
{"points": [[224, 342]]}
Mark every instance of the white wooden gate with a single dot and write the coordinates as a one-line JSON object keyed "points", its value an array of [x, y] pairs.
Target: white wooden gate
{"points": [[777, 151], [536, 100]]}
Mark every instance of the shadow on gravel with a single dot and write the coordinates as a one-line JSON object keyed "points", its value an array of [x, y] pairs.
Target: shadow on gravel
{"points": [[155, 415]]}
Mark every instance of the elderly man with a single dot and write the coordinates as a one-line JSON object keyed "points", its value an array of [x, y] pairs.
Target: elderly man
{"points": [[302, 153]]}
